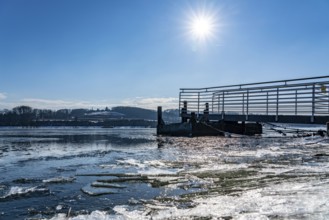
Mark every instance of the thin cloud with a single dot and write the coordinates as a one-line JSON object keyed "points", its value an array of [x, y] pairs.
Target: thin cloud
{"points": [[151, 103], [58, 104], [2, 96], [55, 104]]}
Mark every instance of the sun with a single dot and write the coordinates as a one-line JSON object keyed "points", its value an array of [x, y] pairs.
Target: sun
{"points": [[202, 27]]}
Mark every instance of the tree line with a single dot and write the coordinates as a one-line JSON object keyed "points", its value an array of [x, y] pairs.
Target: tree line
{"points": [[117, 116]]}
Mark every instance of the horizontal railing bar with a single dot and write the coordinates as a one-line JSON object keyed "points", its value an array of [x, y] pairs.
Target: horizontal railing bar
{"points": [[262, 83], [269, 90], [264, 89]]}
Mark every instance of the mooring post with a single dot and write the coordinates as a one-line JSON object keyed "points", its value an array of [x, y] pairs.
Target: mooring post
{"points": [[160, 121], [184, 112]]}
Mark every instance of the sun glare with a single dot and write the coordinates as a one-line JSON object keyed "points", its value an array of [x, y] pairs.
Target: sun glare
{"points": [[202, 27]]}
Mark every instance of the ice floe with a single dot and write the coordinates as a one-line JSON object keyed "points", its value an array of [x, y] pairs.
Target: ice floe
{"points": [[60, 179], [96, 191], [18, 191], [95, 215]]}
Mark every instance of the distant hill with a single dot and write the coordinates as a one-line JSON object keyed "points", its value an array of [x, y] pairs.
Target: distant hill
{"points": [[146, 114], [135, 113]]}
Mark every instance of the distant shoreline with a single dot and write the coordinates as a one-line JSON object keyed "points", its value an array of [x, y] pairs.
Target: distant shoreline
{"points": [[84, 123]]}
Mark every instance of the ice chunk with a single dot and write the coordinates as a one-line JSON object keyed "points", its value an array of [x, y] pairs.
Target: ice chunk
{"points": [[89, 190], [15, 191], [59, 179]]}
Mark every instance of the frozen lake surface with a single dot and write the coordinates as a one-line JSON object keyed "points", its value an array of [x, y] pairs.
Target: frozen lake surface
{"points": [[129, 173]]}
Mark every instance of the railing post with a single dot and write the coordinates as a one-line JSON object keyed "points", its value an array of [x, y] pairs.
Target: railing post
{"points": [[212, 103], [198, 104], [296, 100], [266, 103], [247, 105], [313, 103], [243, 104], [218, 103], [223, 106], [179, 99], [277, 105]]}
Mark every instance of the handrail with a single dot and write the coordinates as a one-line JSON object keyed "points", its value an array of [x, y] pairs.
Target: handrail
{"points": [[303, 96], [259, 83]]}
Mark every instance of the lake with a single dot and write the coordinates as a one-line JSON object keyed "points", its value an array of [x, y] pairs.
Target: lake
{"points": [[130, 173]]}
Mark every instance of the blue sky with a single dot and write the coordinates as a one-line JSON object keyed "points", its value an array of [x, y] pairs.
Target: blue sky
{"points": [[78, 53]]}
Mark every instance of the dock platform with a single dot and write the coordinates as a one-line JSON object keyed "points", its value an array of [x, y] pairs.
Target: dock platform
{"points": [[243, 108]]}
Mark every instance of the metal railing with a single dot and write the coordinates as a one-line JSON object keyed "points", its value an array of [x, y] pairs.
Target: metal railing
{"points": [[304, 96]]}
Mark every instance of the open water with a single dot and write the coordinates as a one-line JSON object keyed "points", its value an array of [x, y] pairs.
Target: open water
{"points": [[129, 173]]}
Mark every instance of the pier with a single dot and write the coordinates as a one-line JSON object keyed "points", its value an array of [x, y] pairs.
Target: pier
{"points": [[242, 108]]}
